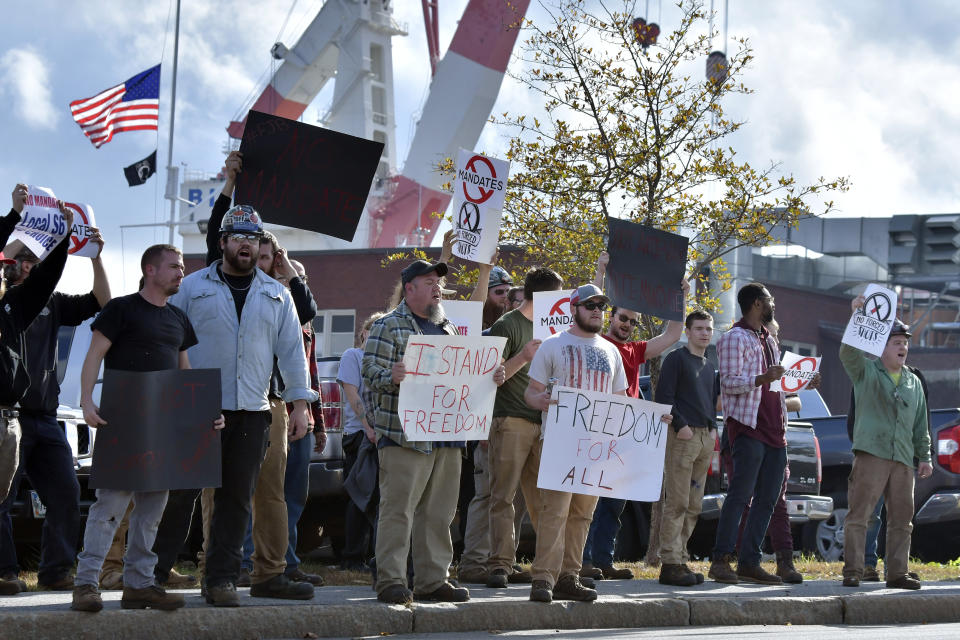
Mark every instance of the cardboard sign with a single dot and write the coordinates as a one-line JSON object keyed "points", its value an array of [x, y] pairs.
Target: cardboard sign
{"points": [[551, 313], [605, 445], [448, 392], [798, 372], [646, 268], [869, 328], [159, 433], [479, 193], [42, 226], [466, 316], [83, 225], [306, 177]]}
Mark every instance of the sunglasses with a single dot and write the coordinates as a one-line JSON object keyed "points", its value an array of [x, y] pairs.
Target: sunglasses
{"points": [[633, 321], [244, 237], [593, 306]]}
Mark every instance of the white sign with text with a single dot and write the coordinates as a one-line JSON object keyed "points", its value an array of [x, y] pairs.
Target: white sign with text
{"points": [[869, 328], [465, 315], [551, 313], [798, 371], [41, 225]]}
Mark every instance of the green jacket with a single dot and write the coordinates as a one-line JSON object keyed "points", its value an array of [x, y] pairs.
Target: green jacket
{"points": [[891, 420], [386, 345]]}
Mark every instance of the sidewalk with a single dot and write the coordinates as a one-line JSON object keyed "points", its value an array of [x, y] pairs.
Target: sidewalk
{"points": [[353, 611]]}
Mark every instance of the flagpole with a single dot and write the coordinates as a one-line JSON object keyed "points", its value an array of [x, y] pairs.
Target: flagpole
{"points": [[171, 170]]}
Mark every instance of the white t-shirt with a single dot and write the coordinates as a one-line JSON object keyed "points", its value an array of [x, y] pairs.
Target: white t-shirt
{"points": [[592, 364]]}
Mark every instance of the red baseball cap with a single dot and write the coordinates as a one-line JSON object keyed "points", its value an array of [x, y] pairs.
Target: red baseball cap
{"points": [[5, 260]]}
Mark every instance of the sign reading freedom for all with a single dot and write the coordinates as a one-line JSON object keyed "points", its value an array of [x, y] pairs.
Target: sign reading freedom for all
{"points": [[551, 313], [479, 193], [306, 177], [159, 433], [465, 315], [798, 372], [646, 268], [869, 328], [448, 392], [603, 445]]}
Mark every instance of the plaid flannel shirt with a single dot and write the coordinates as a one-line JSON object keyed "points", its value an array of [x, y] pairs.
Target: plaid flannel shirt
{"points": [[386, 345], [741, 361]]}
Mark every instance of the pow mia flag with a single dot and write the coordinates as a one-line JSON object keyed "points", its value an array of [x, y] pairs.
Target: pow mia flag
{"points": [[138, 172]]}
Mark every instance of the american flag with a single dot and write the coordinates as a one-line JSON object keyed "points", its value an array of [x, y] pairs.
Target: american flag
{"points": [[587, 368], [133, 105]]}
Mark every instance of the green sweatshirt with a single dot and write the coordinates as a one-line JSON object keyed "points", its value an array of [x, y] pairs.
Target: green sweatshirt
{"points": [[891, 419]]}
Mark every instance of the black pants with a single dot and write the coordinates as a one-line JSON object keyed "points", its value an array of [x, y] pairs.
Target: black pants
{"points": [[173, 531], [243, 445], [358, 532]]}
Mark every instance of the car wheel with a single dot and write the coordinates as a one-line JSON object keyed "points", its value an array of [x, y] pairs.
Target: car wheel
{"points": [[825, 537]]}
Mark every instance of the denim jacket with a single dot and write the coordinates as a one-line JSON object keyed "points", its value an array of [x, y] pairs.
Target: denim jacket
{"points": [[244, 350]]}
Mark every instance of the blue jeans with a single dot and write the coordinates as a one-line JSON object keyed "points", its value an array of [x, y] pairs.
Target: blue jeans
{"points": [[873, 532], [602, 537], [758, 473], [296, 484], [47, 460], [102, 522]]}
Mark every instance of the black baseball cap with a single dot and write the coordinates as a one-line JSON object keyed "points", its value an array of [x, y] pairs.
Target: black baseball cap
{"points": [[422, 268]]}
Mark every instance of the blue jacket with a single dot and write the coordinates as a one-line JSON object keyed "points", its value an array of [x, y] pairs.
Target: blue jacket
{"points": [[244, 350]]}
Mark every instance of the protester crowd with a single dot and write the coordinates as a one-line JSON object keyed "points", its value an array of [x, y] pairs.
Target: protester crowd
{"points": [[249, 314]]}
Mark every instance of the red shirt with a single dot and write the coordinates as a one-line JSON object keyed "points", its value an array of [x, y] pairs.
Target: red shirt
{"points": [[632, 354]]}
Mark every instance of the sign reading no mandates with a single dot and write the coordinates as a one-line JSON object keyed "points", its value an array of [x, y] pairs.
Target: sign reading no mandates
{"points": [[479, 192], [798, 371], [551, 313]]}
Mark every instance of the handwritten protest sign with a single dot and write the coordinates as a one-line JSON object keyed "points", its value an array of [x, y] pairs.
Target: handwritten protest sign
{"points": [[159, 433], [600, 444], [448, 392], [869, 328], [479, 193], [306, 177], [646, 268], [551, 313], [41, 225], [83, 225], [466, 316], [798, 372]]}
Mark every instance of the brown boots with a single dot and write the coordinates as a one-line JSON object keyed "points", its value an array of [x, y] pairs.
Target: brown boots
{"points": [[785, 568]]}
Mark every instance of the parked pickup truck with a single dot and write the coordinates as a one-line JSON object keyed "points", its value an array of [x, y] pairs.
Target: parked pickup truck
{"points": [[936, 533], [804, 504]]}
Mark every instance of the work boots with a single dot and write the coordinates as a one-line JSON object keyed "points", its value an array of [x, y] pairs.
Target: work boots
{"points": [[569, 588], [152, 597], [785, 568], [756, 573], [675, 575], [721, 571]]}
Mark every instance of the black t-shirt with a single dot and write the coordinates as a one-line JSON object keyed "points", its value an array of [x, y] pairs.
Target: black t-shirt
{"points": [[239, 285], [143, 336], [430, 328]]}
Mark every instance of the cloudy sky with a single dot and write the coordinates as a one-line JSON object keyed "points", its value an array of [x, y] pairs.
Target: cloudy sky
{"points": [[859, 88]]}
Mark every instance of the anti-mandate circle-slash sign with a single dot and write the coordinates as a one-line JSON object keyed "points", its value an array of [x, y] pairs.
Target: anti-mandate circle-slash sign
{"points": [[481, 180], [798, 372]]}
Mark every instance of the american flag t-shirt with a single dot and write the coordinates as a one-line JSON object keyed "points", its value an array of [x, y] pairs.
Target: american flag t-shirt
{"points": [[133, 105], [587, 367]]}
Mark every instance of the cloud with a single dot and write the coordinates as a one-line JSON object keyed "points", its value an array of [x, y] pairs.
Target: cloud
{"points": [[25, 80]]}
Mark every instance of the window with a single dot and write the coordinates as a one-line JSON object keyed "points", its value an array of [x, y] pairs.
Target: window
{"points": [[335, 329], [376, 62], [800, 348]]}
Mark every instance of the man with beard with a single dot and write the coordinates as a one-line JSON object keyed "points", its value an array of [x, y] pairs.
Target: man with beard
{"points": [[889, 433], [578, 358], [244, 319], [419, 478], [45, 455], [755, 419], [19, 308], [498, 301], [602, 538], [138, 332]]}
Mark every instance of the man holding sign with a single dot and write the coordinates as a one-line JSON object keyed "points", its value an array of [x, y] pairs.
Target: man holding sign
{"points": [[889, 432], [138, 332], [577, 358], [419, 479]]}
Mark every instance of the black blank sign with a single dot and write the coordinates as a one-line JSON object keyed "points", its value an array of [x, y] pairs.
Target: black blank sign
{"points": [[159, 433]]}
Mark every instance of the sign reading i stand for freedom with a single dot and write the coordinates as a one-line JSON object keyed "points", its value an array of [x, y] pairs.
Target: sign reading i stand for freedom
{"points": [[479, 192], [448, 392], [551, 313], [798, 371], [42, 226], [646, 268], [604, 445], [869, 328], [306, 177], [159, 433]]}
